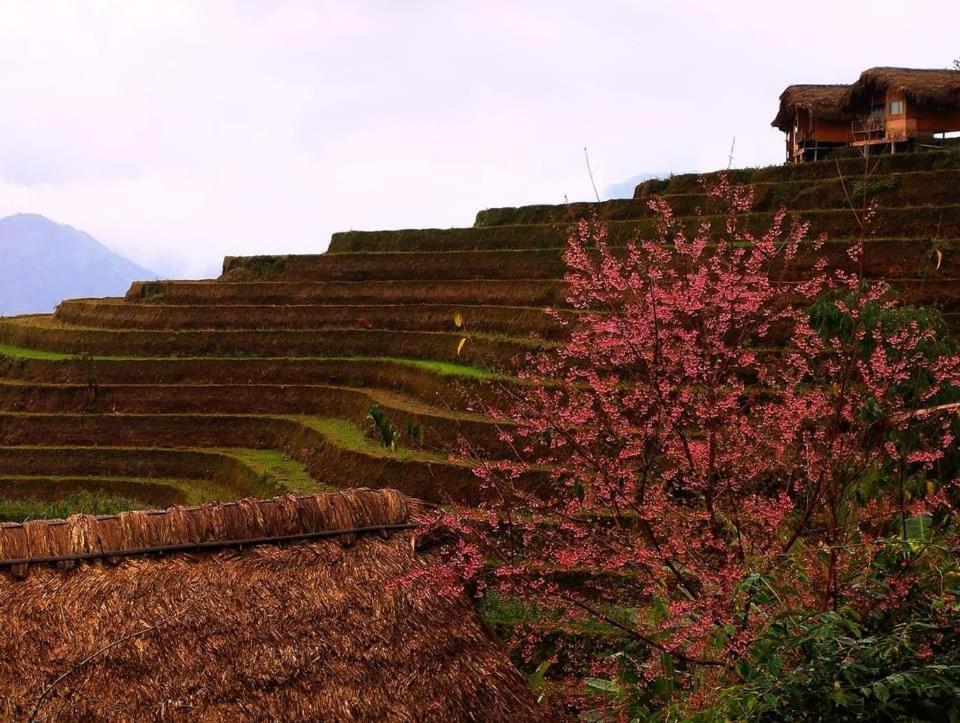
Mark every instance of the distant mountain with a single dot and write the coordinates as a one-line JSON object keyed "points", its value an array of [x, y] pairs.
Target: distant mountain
{"points": [[624, 189], [42, 263]]}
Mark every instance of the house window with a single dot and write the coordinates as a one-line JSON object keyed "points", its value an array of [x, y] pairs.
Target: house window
{"points": [[896, 107]]}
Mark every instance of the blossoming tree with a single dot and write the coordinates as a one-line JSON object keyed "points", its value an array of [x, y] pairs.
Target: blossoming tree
{"points": [[740, 431]]}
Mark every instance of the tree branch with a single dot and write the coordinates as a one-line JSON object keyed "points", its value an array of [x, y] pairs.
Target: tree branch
{"points": [[100, 652]]}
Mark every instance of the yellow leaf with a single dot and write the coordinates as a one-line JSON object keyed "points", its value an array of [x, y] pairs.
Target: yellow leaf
{"points": [[458, 319], [939, 257], [460, 345]]}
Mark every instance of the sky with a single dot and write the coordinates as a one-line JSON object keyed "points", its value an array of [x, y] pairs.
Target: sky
{"points": [[178, 132]]}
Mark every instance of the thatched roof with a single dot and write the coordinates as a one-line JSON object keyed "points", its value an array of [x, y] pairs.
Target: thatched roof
{"points": [[934, 87], [939, 88], [312, 628], [824, 101]]}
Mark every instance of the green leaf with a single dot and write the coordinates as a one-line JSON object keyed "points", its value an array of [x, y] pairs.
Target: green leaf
{"points": [[662, 687], [918, 527], [659, 610], [536, 679], [881, 692], [896, 680], [604, 686], [667, 662]]}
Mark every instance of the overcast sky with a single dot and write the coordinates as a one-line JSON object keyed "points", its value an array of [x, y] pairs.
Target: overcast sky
{"points": [[178, 132]]}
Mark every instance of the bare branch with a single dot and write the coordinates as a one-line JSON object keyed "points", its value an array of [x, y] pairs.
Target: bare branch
{"points": [[103, 651]]}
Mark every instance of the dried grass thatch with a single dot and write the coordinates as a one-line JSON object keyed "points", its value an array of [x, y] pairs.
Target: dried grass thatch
{"points": [[312, 630], [933, 87], [825, 102]]}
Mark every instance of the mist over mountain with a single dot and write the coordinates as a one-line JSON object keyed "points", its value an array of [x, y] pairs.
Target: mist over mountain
{"points": [[45, 262]]}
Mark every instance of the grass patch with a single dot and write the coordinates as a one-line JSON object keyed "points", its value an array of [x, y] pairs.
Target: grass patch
{"points": [[190, 491], [349, 436], [882, 184], [19, 352], [447, 369], [441, 368], [96, 502], [276, 469], [16, 352]]}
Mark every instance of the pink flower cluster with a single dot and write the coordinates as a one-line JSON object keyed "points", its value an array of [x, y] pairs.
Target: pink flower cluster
{"points": [[697, 451]]}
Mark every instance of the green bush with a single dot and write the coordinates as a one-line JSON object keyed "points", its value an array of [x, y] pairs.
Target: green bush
{"points": [[865, 190], [830, 667], [388, 436]]}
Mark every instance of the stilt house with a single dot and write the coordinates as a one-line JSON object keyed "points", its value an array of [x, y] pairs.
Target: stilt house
{"points": [[892, 109]]}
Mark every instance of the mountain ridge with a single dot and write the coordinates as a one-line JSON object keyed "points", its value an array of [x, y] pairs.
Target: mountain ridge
{"points": [[46, 262]]}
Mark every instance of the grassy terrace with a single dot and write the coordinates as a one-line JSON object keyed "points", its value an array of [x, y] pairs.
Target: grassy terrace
{"points": [[263, 380], [50, 334], [442, 368], [509, 292], [897, 190], [838, 223]]}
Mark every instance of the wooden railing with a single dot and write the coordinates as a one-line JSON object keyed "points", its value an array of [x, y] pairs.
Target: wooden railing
{"points": [[867, 126]]}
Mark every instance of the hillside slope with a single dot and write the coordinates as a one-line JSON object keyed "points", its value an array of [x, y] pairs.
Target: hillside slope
{"points": [[264, 380], [44, 262]]}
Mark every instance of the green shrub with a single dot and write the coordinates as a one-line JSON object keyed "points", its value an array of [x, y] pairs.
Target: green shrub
{"points": [[865, 190], [827, 319], [388, 436], [830, 667]]}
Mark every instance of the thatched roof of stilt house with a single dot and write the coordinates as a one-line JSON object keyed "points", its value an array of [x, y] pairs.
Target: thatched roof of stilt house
{"points": [[933, 87], [309, 627], [937, 88], [826, 102]]}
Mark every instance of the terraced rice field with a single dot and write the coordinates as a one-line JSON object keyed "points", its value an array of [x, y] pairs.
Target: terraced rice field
{"points": [[262, 380]]}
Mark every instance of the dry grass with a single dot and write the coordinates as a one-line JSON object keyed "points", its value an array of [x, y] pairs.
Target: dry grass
{"points": [[307, 631], [934, 86]]}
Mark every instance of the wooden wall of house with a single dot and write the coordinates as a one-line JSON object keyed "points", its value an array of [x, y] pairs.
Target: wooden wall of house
{"points": [[809, 128], [917, 120], [895, 124], [926, 121], [834, 131]]}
